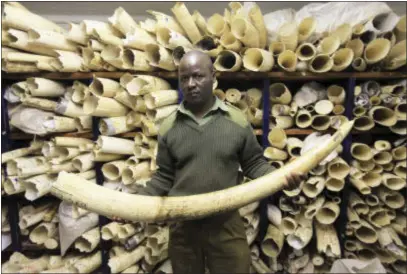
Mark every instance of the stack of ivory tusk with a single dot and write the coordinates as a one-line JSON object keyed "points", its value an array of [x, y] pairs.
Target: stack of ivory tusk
{"points": [[236, 40], [381, 105], [376, 225], [19, 263], [45, 106], [312, 106], [310, 211], [249, 102]]}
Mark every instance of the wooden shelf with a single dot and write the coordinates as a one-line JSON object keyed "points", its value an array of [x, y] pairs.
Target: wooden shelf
{"points": [[245, 75], [26, 136]]}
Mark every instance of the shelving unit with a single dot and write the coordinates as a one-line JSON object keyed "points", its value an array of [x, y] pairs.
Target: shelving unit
{"points": [[347, 79]]}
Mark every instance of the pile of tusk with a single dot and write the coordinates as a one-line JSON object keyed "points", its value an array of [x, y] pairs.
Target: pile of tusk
{"points": [[237, 40]]}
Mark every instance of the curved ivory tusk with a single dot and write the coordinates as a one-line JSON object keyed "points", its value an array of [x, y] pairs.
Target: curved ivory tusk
{"points": [[383, 116], [70, 141], [334, 184], [400, 169], [228, 60], [361, 152], [195, 209], [200, 22], [328, 213], [360, 185], [294, 146], [230, 42], [114, 56], [376, 50], [126, 231], [113, 170], [136, 60], [343, 32], [314, 186], [22, 18], [88, 241], [233, 95], [83, 123], [329, 45], [323, 107], [217, 25], [399, 153], [253, 97], [359, 64], [42, 87], [156, 115], [138, 38], [13, 185], [143, 84], [256, 59], [280, 94], [114, 125], [320, 122], [276, 48], [19, 40]]}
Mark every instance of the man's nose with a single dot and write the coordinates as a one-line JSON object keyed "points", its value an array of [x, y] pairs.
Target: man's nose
{"points": [[191, 82]]}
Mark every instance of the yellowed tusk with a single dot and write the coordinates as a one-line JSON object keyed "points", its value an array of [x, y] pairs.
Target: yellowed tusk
{"points": [[301, 164], [359, 64], [143, 84], [357, 46], [277, 138], [156, 115], [39, 103], [320, 122], [125, 260], [364, 123], [321, 63], [200, 22], [104, 107], [306, 28], [280, 94], [13, 185], [329, 45], [122, 21], [115, 145], [334, 184], [287, 60], [135, 119], [186, 21], [314, 186], [256, 59], [383, 116], [360, 185], [158, 56], [288, 34], [104, 87], [110, 231], [401, 111], [42, 232], [233, 95], [83, 123], [114, 56], [230, 42], [21, 18], [376, 50], [19, 40], [113, 170], [105, 157], [89, 263], [42, 87], [400, 169], [114, 125], [273, 242], [327, 240], [399, 153], [136, 60], [396, 57], [49, 39], [161, 98], [59, 124], [167, 20], [276, 48], [342, 59], [76, 34], [338, 168], [228, 60], [38, 186], [138, 38], [83, 162], [171, 39], [343, 32]]}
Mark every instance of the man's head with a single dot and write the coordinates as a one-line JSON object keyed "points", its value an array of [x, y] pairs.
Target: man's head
{"points": [[196, 75]]}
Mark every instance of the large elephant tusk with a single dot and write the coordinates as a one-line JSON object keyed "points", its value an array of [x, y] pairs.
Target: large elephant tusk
{"points": [[111, 203]]}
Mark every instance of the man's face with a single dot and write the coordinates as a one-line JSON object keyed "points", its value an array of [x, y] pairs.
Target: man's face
{"points": [[196, 80]]}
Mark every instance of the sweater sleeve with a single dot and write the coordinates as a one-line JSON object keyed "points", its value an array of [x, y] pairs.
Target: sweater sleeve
{"points": [[163, 179], [251, 157]]}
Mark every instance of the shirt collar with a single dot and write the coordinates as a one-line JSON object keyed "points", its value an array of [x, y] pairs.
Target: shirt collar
{"points": [[219, 104]]}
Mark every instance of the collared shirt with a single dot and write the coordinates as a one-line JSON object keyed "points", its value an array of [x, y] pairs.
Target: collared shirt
{"points": [[207, 116]]}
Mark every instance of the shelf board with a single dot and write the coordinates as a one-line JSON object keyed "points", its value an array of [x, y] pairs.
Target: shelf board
{"points": [[26, 136], [249, 75]]}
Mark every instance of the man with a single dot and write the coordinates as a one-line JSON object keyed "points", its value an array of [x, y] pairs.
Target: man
{"points": [[200, 149]]}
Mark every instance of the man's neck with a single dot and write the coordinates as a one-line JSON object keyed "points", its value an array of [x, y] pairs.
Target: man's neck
{"points": [[200, 110]]}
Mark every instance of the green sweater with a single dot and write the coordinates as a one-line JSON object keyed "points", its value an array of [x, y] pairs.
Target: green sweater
{"points": [[196, 159]]}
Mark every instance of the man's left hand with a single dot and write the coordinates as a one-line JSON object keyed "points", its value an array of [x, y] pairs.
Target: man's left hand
{"points": [[294, 180]]}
